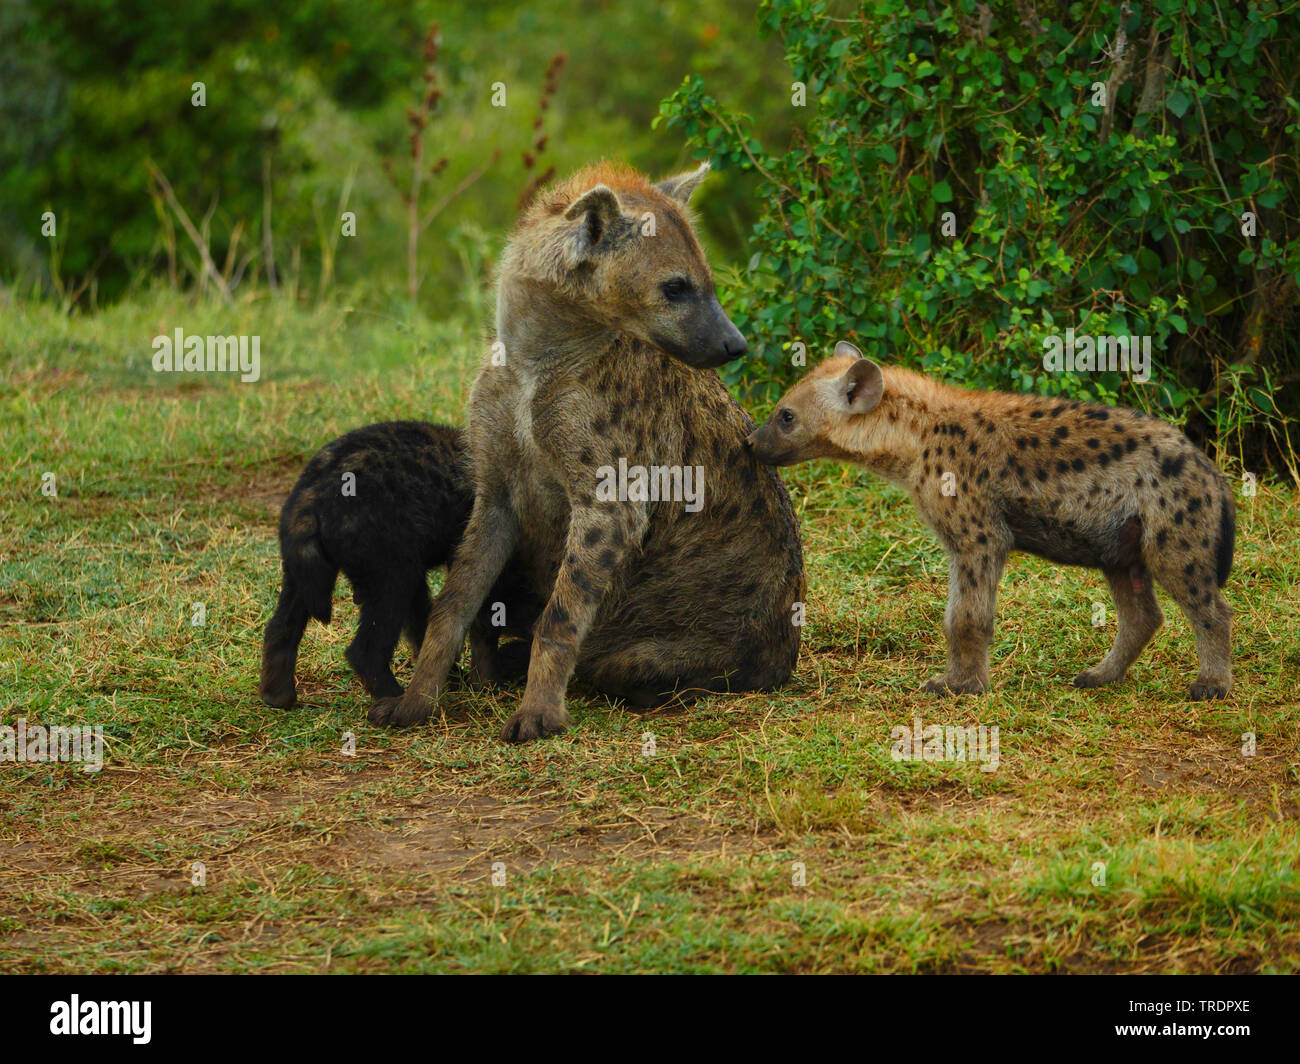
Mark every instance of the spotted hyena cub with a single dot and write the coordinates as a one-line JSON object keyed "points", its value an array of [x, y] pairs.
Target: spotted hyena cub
{"points": [[384, 504], [1076, 483]]}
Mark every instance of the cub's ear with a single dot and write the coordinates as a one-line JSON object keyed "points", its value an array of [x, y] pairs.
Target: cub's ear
{"points": [[862, 386], [682, 186], [846, 348], [601, 217]]}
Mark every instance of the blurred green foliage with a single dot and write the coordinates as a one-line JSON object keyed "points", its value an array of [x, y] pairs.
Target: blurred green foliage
{"points": [[317, 92], [1119, 215], [116, 76], [1116, 212]]}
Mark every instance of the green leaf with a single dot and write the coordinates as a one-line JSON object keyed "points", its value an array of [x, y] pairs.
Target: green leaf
{"points": [[1178, 102]]}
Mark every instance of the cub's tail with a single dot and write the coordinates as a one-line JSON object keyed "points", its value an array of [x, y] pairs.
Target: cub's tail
{"points": [[305, 564], [1227, 536]]}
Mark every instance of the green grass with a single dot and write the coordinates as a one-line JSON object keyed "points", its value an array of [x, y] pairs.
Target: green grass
{"points": [[168, 490]]}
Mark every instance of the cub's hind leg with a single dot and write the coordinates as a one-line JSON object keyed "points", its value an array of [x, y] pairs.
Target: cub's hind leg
{"points": [[417, 614], [1138, 616], [280, 647], [1191, 582]]}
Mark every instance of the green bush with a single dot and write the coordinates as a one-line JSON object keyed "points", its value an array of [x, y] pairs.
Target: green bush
{"points": [[1115, 212]]}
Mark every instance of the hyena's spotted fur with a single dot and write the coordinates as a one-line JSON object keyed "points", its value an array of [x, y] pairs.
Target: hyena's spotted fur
{"points": [[608, 323], [1076, 483]]}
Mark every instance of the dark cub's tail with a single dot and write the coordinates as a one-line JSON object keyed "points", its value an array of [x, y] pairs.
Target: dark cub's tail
{"points": [[1227, 536], [305, 564]]}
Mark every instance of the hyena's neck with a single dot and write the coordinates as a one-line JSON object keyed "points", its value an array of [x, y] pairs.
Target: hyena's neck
{"points": [[910, 420], [541, 329]]}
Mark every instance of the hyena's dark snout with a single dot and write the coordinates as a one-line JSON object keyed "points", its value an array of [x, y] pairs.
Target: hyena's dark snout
{"points": [[764, 445], [714, 339], [733, 344]]}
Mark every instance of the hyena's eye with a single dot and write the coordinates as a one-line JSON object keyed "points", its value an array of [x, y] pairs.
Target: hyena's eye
{"points": [[786, 417], [677, 289]]}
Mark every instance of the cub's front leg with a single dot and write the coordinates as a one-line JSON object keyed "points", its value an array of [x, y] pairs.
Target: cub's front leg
{"points": [[599, 539], [973, 577], [486, 547]]}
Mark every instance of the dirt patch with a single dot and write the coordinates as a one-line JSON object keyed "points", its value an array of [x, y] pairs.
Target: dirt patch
{"points": [[462, 838], [1199, 767], [337, 823], [986, 940], [264, 487]]}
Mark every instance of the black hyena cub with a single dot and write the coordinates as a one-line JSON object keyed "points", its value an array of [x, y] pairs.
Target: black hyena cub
{"points": [[384, 504], [991, 473]]}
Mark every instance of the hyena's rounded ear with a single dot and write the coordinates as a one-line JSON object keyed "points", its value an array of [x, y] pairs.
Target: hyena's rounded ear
{"points": [[682, 186], [846, 348], [862, 386], [602, 221]]}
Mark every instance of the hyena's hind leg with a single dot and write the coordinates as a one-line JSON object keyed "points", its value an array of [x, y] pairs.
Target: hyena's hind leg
{"points": [[280, 647], [1191, 581], [1138, 616], [661, 673]]}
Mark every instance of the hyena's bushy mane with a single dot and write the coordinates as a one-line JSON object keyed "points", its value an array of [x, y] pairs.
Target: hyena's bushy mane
{"points": [[555, 200], [534, 247]]}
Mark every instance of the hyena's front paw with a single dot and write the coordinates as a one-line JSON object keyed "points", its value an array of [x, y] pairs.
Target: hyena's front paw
{"points": [[280, 694], [1096, 677], [1206, 691], [276, 685], [400, 712], [947, 685], [532, 721]]}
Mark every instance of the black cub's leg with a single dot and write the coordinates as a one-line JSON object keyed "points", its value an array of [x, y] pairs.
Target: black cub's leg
{"points": [[385, 601], [280, 648], [417, 617]]}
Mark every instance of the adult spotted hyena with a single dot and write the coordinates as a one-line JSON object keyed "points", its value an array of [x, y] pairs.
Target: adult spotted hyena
{"points": [[1076, 483], [608, 328]]}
